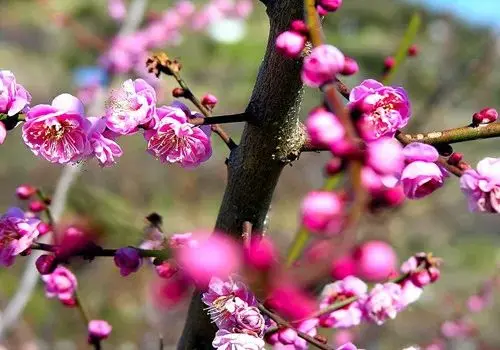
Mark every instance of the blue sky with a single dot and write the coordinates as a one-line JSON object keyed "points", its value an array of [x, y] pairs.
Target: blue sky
{"points": [[475, 11]]}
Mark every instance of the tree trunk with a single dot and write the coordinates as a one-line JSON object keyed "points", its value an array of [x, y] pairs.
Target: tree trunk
{"points": [[254, 167]]}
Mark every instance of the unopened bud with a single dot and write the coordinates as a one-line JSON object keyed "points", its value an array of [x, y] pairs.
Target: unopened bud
{"points": [[334, 166], [299, 26], [455, 158], [350, 66], [37, 206], [44, 228], [25, 192], [178, 92], [413, 50], [389, 63], [209, 101], [485, 116], [46, 264]]}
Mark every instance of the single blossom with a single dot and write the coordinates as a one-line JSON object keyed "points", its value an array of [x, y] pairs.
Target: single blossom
{"points": [[288, 338], [349, 315], [61, 283], [225, 340], [322, 65], [14, 98], [104, 148], [250, 320], [131, 106], [175, 140], [422, 175], [17, 233], [385, 156], [383, 302], [321, 212], [482, 186], [58, 132], [224, 299], [290, 43], [384, 109], [99, 330]]}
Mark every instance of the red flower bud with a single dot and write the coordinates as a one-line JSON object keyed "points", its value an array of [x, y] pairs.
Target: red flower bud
{"points": [[178, 92], [37, 206], [455, 158], [25, 192], [413, 50], [350, 66], [485, 116], [299, 26], [46, 264], [389, 63]]}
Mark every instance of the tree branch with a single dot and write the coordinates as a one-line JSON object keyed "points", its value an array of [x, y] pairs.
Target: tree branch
{"points": [[255, 166], [461, 134]]}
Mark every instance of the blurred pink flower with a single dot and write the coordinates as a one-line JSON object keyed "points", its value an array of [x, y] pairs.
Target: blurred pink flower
{"points": [[117, 9], [103, 146], [61, 283], [322, 65], [217, 256], [385, 108], [383, 302], [330, 5], [343, 267], [321, 212], [225, 340], [349, 315], [131, 106], [385, 156], [323, 127], [348, 346], [288, 338], [290, 301], [261, 254], [482, 186], [422, 175], [14, 98], [174, 140], [375, 260], [58, 132], [17, 233], [99, 330], [290, 43]]}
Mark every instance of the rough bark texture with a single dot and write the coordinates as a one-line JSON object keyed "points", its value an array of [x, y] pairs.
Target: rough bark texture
{"points": [[255, 166]]}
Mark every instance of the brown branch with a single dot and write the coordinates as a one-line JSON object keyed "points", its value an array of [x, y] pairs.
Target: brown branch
{"points": [[283, 323], [255, 166], [455, 135], [221, 119]]}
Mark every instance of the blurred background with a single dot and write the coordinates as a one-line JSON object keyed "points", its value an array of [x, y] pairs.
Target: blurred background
{"points": [[455, 74]]}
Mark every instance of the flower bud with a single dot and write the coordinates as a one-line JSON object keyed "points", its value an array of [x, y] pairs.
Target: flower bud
{"points": [[389, 63], [375, 260], [128, 260], [25, 192], [261, 254], [209, 101], [37, 206], [455, 158], [299, 26], [421, 278], [330, 5], [350, 66], [321, 11], [290, 43], [321, 211], [413, 50], [321, 66], [178, 92], [44, 228], [46, 264], [485, 116], [98, 330], [434, 273], [334, 166]]}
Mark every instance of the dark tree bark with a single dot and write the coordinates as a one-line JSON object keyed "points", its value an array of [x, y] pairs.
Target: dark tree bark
{"points": [[254, 167]]}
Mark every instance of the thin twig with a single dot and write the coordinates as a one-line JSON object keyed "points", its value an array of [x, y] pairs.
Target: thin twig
{"points": [[456, 135], [247, 233], [281, 322], [220, 119]]}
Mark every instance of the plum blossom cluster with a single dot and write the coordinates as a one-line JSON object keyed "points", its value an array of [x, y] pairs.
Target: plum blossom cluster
{"points": [[61, 132], [128, 52]]}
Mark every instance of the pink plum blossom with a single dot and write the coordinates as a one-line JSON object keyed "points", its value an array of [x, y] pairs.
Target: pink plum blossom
{"points": [[131, 106], [58, 132], [17, 233], [290, 43], [323, 127], [290, 301], [321, 212], [422, 175], [225, 340], [385, 156], [261, 254], [485, 116], [482, 186], [288, 338], [61, 283], [99, 330], [217, 256], [383, 302], [250, 320], [174, 140], [104, 148], [375, 260], [385, 108], [349, 315], [322, 65], [14, 98]]}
